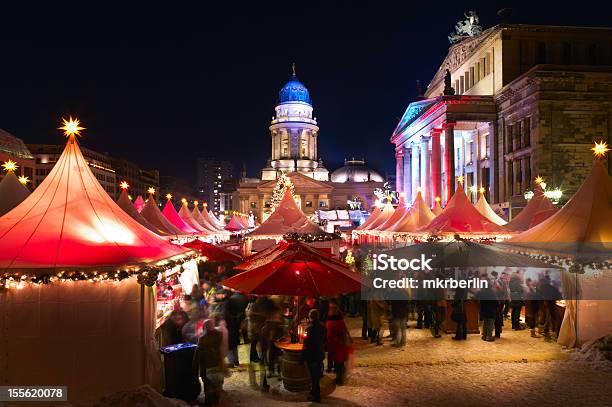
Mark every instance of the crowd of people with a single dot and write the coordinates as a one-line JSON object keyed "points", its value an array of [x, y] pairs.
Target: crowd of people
{"points": [[218, 320]]}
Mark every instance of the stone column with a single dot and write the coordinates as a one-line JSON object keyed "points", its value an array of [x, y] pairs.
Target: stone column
{"points": [[425, 174], [407, 188], [436, 164], [449, 158], [399, 170], [493, 164], [414, 169]]}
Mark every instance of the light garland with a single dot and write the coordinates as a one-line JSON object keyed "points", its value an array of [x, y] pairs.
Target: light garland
{"points": [[145, 274], [282, 183], [311, 237]]}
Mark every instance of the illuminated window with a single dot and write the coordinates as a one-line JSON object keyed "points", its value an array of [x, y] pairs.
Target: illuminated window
{"points": [[253, 205], [309, 204], [322, 204]]}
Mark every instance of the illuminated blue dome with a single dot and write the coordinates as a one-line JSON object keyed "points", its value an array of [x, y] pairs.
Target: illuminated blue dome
{"points": [[294, 91]]}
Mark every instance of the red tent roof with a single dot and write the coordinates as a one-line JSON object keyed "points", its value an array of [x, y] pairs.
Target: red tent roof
{"points": [[460, 216], [384, 215], [174, 218], [373, 215], [297, 269], [139, 203], [154, 216], [185, 215], [12, 192], [400, 211], [234, 224], [287, 218], [483, 207], [124, 203], [586, 218], [210, 218], [70, 221], [538, 209], [212, 252], [197, 215], [417, 217]]}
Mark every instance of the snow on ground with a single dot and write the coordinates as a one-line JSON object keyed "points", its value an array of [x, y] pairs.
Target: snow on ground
{"points": [[516, 370]]}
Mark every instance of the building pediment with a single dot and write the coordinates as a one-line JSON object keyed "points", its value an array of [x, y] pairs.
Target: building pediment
{"points": [[458, 53], [300, 181]]}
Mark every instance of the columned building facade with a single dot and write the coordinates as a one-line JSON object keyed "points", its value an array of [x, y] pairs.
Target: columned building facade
{"points": [[526, 101]]}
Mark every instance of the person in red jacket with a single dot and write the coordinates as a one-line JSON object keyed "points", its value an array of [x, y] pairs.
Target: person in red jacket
{"points": [[338, 341]]}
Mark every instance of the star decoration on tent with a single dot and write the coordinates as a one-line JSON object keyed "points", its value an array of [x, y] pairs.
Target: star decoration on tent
{"points": [[184, 201], [460, 179], [438, 199], [600, 149], [151, 191], [481, 190], [539, 179], [124, 185], [24, 180], [10, 166], [168, 196], [71, 127], [195, 203]]}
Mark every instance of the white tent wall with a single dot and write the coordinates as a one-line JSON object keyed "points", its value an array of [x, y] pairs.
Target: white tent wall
{"points": [[586, 318], [95, 338]]}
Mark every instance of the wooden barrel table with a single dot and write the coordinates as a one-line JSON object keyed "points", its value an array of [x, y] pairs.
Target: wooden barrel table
{"points": [[294, 373]]}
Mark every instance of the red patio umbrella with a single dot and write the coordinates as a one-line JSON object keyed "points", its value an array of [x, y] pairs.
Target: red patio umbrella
{"points": [[296, 269], [212, 252]]}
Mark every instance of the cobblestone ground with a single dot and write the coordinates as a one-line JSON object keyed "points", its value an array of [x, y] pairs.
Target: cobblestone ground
{"points": [[516, 370]]}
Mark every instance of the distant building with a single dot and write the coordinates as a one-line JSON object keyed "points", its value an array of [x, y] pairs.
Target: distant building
{"points": [[506, 105], [139, 180], [212, 173], [14, 149], [228, 196], [100, 164], [294, 133], [179, 188]]}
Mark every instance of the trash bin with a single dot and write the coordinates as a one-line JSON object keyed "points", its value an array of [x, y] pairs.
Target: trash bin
{"points": [[182, 380]]}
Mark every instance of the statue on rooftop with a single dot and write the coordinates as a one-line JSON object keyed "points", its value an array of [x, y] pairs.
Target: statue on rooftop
{"points": [[466, 28]]}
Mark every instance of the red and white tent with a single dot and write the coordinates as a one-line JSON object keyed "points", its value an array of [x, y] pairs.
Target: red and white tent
{"points": [[139, 203], [154, 216], [185, 215], [286, 218], [170, 213], [582, 229], [60, 327], [12, 192], [460, 216], [124, 203], [385, 213], [538, 209], [234, 224], [197, 215], [373, 216], [400, 212], [437, 209], [485, 210], [418, 216], [210, 218]]}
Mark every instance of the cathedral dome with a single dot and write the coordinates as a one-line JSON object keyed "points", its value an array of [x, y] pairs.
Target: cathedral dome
{"points": [[294, 91], [355, 171]]}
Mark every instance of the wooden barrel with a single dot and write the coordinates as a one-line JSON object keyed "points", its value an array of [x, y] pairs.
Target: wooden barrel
{"points": [[294, 373]]}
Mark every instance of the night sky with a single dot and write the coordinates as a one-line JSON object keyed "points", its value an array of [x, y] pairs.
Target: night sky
{"points": [[162, 85]]}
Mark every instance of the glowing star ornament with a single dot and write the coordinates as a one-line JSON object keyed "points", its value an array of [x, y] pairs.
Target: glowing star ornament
{"points": [[24, 180], [184, 201], [538, 180], [168, 196], [124, 185], [481, 190], [196, 203], [151, 191], [473, 189], [438, 199], [460, 179], [600, 149], [10, 166], [71, 127]]}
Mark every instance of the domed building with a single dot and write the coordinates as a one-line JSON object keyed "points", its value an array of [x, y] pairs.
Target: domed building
{"points": [[355, 171], [294, 135]]}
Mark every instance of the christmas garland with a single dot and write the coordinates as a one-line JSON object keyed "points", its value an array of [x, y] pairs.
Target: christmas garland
{"points": [[146, 275], [310, 237]]}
